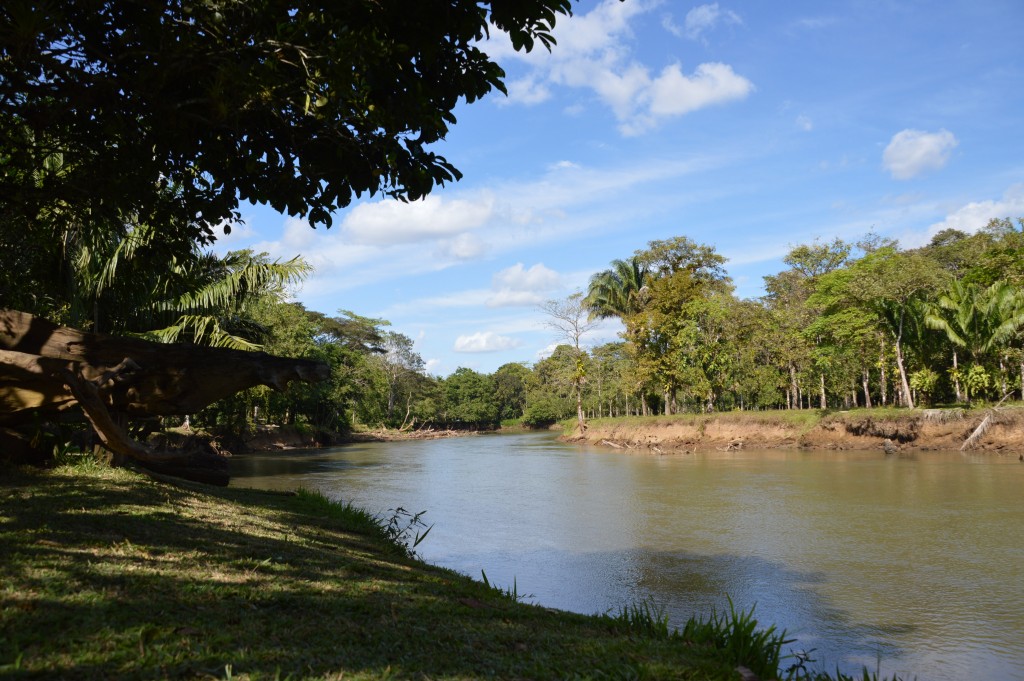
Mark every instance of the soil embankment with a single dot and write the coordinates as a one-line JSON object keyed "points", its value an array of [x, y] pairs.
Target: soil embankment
{"points": [[270, 438], [888, 430]]}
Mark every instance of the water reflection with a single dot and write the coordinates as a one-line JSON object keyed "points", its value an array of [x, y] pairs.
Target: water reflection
{"points": [[912, 566]]}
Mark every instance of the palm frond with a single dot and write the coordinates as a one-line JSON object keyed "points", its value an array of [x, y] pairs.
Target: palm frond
{"points": [[202, 329]]}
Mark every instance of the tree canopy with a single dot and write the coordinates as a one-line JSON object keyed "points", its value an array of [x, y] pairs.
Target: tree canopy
{"points": [[185, 108]]}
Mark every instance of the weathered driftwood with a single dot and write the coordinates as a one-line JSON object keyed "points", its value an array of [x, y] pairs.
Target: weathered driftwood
{"points": [[46, 369]]}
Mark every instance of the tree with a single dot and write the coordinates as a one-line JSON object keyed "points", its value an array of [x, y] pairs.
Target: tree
{"points": [[552, 393], [118, 115], [618, 292], [401, 365], [892, 284], [682, 253], [510, 389], [978, 320], [570, 319], [469, 400], [185, 108]]}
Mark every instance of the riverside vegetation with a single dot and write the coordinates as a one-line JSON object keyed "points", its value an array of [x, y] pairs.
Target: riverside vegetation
{"points": [[110, 574]]}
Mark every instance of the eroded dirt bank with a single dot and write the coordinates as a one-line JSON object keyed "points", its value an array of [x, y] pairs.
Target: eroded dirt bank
{"points": [[919, 430], [270, 438]]}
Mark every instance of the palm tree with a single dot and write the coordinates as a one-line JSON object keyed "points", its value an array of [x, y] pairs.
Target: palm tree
{"points": [[979, 320], [137, 281], [618, 292]]}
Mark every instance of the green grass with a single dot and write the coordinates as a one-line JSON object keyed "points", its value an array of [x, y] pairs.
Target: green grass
{"points": [[107, 574]]}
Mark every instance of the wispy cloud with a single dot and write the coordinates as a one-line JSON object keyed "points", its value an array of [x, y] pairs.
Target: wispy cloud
{"points": [[704, 18], [382, 241], [485, 341], [912, 152], [814, 23]]}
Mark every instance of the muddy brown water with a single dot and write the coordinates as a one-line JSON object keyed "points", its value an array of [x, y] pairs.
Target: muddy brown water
{"points": [[905, 565]]}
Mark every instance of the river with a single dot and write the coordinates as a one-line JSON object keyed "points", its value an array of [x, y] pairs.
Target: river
{"points": [[907, 565]]}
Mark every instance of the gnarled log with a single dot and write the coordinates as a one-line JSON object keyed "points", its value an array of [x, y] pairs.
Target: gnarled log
{"points": [[161, 379], [46, 369]]}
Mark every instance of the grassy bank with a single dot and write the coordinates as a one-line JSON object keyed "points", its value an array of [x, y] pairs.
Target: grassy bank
{"points": [[107, 574]]}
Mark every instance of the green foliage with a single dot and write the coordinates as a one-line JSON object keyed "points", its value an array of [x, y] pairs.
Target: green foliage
{"points": [[544, 411], [246, 101], [645, 617], [405, 529], [469, 400], [511, 382], [509, 593], [618, 292], [738, 638], [976, 380], [925, 381]]}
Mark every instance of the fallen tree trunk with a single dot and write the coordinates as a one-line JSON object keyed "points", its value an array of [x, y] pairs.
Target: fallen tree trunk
{"points": [[165, 379], [46, 369]]}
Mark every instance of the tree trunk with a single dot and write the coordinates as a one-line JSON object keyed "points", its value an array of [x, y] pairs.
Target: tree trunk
{"points": [[824, 402], [794, 385], [581, 422], [904, 384], [1002, 375], [882, 378], [956, 379], [866, 376]]}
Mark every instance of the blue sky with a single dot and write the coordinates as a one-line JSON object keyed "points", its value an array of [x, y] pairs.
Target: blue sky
{"points": [[749, 126]]}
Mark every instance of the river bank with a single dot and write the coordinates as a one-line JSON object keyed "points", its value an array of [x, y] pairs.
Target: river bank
{"points": [[108, 574], [890, 430], [266, 438]]}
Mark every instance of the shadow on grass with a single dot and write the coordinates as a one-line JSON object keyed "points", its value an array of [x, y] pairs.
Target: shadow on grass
{"points": [[112, 576]]}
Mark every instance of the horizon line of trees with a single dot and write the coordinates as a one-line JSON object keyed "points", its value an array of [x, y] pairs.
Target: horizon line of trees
{"points": [[845, 325]]}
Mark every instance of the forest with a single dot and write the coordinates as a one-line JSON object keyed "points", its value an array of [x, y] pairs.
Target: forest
{"points": [[846, 325]]}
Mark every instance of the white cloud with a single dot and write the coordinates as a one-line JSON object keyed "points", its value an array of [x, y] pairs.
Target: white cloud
{"points": [[975, 215], [537, 278], [594, 54], [518, 286], [485, 341], [548, 350], [673, 93], [389, 222], [527, 91], [804, 123], [431, 365], [704, 18], [912, 152]]}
